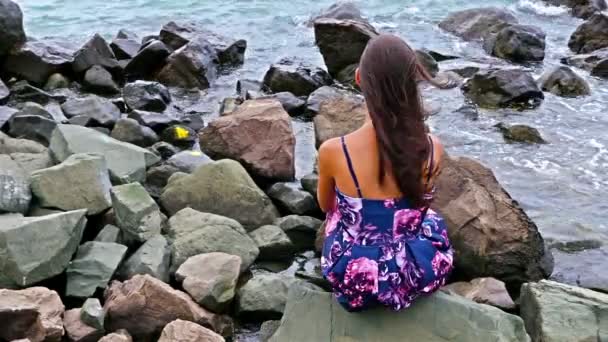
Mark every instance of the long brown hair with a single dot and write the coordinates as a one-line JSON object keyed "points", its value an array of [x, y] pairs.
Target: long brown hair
{"points": [[389, 75]]}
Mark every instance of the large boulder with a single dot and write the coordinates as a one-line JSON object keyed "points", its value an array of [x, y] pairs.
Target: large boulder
{"points": [[148, 96], [503, 88], [596, 62], [185, 331], [99, 111], [223, 188], [562, 81], [258, 134], [81, 182], [315, 316], [148, 61], [492, 235], [11, 26], [581, 8], [194, 233], [192, 66], [93, 267], [131, 131], [34, 313], [56, 238], [152, 258], [517, 43], [95, 52], [485, 291], [558, 312], [296, 77], [137, 214], [337, 113], [126, 162], [342, 42], [591, 35], [37, 60], [211, 279], [15, 193], [144, 305], [475, 23]]}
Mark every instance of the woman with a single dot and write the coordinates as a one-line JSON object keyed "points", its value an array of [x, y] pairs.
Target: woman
{"points": [[383, 245]]}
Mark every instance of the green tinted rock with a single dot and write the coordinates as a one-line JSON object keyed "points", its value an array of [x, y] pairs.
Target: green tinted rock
{"points": [[15, 193], [153, 258], [273, 243], [92, 313], [137, 215], [109, 233]]}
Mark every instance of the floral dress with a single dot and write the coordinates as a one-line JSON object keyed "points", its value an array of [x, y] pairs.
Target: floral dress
{"points": [[383, 251]]}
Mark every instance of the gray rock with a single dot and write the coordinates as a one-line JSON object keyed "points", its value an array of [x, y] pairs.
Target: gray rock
{"points": [[503, 88], [93, 267], [76, 330], [562, 81], [192, 66], [11, 26], [148, 60], [130, 131], [483, 290], [293, 198], [310, 183], [517, 43], [558, 312], [296, 77], [24, 92], [99, 80], [147, 96], [15, 193], [211, 279], [100, 111], [80, 182], [223, 188], [273, 242], [520, 134], [95, 52], [56, 238], [596, 62], [194, 233], [4, 92], [56, 81], [32, 127], [591, 35], [152, 258], [268, 329], [6, 112], [10, 145], [302, 230], [157, 121], [125, 46], [157, 178], [37, 60], [92, 313], [475, 23], [315, 316], [582, 268], [31, 162], [109, 233], [292, 104], [137, 215], [188, 161], [127, 163]]}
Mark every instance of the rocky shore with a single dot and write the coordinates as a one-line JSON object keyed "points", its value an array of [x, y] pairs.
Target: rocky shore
{"points": [[125, 218]]}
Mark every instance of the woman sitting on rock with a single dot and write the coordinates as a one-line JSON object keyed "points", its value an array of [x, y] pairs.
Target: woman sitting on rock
{"points": [[383, 245]]}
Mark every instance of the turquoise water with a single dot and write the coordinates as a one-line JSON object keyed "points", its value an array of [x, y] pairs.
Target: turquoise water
{"points": [[562, 185]]}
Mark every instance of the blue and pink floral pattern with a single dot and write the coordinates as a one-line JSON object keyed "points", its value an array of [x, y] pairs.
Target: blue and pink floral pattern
{"points": [[384, 252]]}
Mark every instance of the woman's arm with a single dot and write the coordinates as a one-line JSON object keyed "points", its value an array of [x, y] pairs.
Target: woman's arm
{"points": [[438, 158], [326, 194]]}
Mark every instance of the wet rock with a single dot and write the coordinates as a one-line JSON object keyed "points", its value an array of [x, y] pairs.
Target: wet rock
{"points": [[258, 134], [164, 150], [126, 162], [185, 331], [93, 267], [181, 136], [157, 121], [517, 43], [296, 77], [119, 336], [211, 279], [144, 305], [130, 131], [24, 92], [521, 134], [152, 258], [32, 127], [109, 233], [99, 80], [10, 145], [192, 66], [591, 35], [562, 81], [581, 8], [6, 113], [92, 313], [194, 233], [34, 313], [147, 96], [137, 215], [15, 193], [338, 113], [503, 88], [78, 331], [100, 111], [80, 182], [56, 81], [484, 291], [506, 244], [293, 198], [582, 268], [188, 161], [11, 26], [95, 52], [596, 62], [310, 183], [341, 42], [429, 63], [56, 238], [148, 60], [550, 311], [37, 60], [302, 230], [314, 316], [474, 24], [273, 242], [342, 10], [31, 162]]}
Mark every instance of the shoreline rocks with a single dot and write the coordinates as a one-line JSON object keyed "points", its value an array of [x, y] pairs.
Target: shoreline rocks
{"points": [[503, 88], [591, 35], [11, 26]]}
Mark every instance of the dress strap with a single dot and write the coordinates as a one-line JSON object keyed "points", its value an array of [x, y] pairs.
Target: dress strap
{"points": [[350, 166]]}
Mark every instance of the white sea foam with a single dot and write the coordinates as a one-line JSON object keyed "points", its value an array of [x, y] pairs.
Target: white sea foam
{"points": [[541, 8]]}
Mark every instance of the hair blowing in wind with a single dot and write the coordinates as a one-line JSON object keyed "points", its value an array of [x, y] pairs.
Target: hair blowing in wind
{"points": [[389, 71]]}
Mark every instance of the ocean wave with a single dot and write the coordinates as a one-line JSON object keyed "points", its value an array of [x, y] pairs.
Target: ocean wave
{"points": [[541, 8]]}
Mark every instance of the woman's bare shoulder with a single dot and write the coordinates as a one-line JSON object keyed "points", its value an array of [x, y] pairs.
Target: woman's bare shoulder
{"points": [[328, 151]]}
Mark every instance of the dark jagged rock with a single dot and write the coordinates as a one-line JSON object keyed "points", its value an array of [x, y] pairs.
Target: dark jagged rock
{"points": [[148, 61], [562, 81], [100, 111], [596, 62], [125, 45], [296, 77], [192, 66], [310, 183], [521, 134], [503, 88], [474, 24], [581, 8], [147, 96], [99, 80], [11, 26], [591, 35], [34, 127], [517, 43], [95, 52], [130, 131], [293, 198], [302, 230], [37, 60], [273, 242], [291, 103], [157, 121], [342, 10], [24, 92]]}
